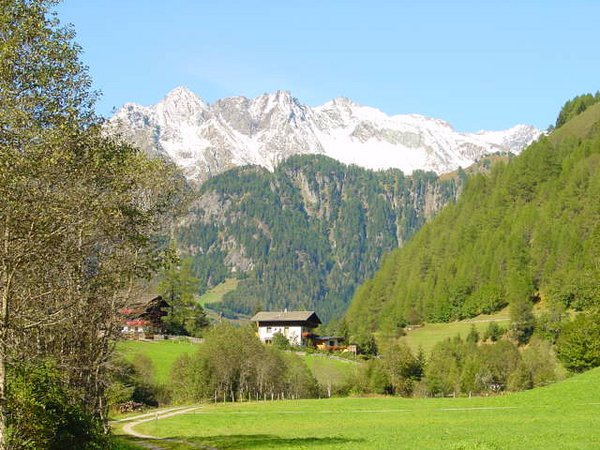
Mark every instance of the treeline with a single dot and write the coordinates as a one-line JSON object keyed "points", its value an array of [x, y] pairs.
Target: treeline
{"points": [[488, 363], [233, 365], [576, 106], [527, 232], [306, 235], [459, 367]]}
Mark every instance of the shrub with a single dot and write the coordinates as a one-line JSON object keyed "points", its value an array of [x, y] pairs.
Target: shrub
{"points": [[578, 346], [280, 341], [45, 413]]}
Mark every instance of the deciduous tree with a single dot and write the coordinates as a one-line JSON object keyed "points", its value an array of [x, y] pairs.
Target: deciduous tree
{"points": [[78, 209]]}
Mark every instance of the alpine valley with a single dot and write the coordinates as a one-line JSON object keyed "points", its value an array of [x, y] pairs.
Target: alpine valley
{"points": [[286, 198]]}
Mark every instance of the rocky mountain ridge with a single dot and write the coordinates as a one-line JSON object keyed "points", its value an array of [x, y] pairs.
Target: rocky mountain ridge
{"points": [[205, 140]]}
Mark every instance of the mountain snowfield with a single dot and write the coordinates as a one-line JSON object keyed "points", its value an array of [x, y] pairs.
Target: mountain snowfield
{"points": [[205, 140]]}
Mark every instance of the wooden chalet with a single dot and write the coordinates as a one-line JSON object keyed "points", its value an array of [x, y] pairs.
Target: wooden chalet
{"points": [[144, 320]]}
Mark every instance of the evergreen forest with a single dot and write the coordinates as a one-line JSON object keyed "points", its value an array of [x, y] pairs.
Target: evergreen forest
{"points": [[305, 235], [527, 233]]}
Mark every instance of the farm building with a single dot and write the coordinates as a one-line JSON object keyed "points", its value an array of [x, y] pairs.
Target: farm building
{"points": [[329, 343], [144, 319], [296, 326]]}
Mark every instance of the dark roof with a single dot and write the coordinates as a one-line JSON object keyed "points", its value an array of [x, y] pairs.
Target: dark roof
{"points": [[286, 316], [141, 307]]}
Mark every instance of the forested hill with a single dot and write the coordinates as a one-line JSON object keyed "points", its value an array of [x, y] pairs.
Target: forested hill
{"points": [[305, 235], [529, 231]]}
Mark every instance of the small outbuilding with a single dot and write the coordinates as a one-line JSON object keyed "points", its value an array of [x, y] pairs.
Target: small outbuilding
{"points": [[296, 326], [330, 343]]}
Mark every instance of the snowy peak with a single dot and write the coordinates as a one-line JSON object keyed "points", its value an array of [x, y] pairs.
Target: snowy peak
{"points": [[181, 105], [182, 95], [207, 139], [517, 136]]}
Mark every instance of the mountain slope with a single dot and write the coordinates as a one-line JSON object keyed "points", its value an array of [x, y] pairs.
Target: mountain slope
{"points": [[207, 139], [305, 235], [528, 230]]}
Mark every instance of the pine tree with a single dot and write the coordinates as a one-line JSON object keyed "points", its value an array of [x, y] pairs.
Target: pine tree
{"points": [[179, 288]]}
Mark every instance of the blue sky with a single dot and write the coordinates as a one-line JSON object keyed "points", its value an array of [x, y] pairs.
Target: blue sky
{"points": [[477, 64]]}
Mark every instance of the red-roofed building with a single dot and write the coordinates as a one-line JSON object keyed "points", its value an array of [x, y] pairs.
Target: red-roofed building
{"points": [[144, 320]]}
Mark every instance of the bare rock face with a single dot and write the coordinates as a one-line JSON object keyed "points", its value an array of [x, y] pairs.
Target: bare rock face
{"points": [[205, 140]]}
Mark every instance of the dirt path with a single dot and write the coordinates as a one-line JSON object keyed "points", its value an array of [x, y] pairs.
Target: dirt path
{"points": [[150, 414], [132, 422]]}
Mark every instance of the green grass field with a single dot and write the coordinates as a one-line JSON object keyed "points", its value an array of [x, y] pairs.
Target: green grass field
{"points": [[216, 294], [328, 371], [562, 416], [432, 333], [162, 354]]}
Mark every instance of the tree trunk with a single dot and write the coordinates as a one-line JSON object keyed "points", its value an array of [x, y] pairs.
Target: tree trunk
{"points": [[2, 397], [4, 285]]}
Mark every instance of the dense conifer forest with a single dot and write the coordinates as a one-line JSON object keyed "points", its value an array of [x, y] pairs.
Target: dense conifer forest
{"points": [[306, 235], [528, 232]]}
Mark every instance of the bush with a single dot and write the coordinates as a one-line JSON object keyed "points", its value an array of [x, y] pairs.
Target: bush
{"points": [[578, 346], [540, 360], [493, 332], [133, 381], [367, 344], [280, 341], [45, 413]]}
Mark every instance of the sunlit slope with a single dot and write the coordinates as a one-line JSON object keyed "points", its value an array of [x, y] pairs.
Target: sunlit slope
{"points": [[531, 228]]}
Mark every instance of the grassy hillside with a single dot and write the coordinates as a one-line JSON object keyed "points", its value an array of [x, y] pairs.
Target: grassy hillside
{"points": [[561, 416], [162, 354], [215, 295], [527, 231], [429, 334], [329, 371]]}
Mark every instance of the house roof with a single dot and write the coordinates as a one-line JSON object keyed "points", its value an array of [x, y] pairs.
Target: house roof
{"points": [[137, 323], [286, 316], [140, 307]]}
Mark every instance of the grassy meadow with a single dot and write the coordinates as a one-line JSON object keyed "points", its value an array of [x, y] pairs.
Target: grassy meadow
{"points": [[215, 295], [431, 333], [328, 371], [162, 354], [565, 415]]}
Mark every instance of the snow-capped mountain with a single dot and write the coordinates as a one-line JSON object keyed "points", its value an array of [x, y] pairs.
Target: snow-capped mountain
{"points": [[207, 139]]}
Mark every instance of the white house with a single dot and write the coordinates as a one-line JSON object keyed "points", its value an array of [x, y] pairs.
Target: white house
{"points": [[296, 326]]}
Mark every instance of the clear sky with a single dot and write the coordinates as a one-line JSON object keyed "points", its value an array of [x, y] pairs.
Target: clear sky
{"points": [[476, 64]]}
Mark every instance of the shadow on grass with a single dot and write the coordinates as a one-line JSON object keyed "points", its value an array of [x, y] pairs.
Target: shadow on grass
{"points": [[240, 441]]}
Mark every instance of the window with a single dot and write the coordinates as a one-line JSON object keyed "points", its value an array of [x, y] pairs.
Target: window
{"points": [[269, 329]]}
